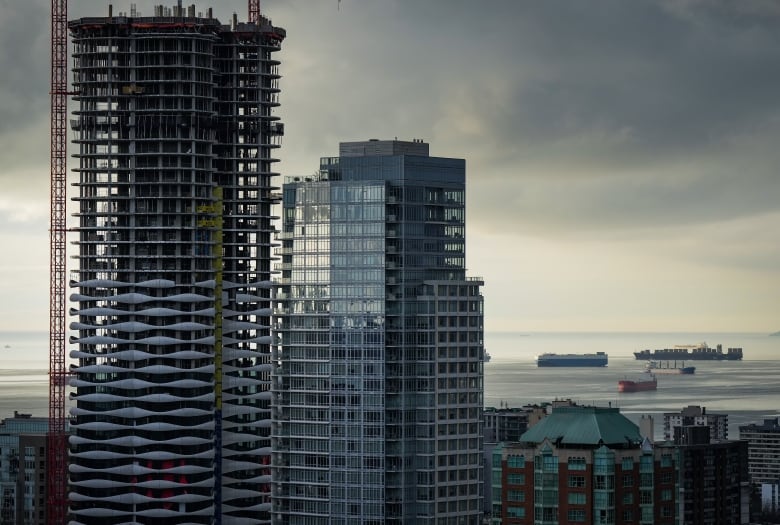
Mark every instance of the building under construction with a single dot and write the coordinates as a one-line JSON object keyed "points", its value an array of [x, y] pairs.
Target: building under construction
{"points": [[170, 303]]}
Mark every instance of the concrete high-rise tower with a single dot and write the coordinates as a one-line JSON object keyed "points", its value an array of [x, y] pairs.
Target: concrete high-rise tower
{"points": [[175, 136], [378, 386]]}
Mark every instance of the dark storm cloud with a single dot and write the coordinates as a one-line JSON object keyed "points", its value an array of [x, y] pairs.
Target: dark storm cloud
{"points": [[598, 114], [673, 78], [614, 114], [672, 82], [631, 146], [24, 38], [24, 96]]}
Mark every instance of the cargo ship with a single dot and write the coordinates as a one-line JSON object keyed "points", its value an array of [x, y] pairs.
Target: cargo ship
{"points": [[667, 368], [699, 352], [597, 359], [638, 385]]}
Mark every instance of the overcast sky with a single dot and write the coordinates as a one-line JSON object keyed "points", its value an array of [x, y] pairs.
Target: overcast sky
{"points": [[622, 156]]}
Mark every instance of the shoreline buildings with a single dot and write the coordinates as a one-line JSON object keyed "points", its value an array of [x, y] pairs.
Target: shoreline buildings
{"points": [[378, 389], [592, 465], [764, 450], [583, 464], [175, 132], [764, 460], [22, 469], [695, 415], [714, 484]]}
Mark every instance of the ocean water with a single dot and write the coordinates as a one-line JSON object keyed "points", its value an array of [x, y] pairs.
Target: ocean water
{"points": [[748, 390], [24, 380]]}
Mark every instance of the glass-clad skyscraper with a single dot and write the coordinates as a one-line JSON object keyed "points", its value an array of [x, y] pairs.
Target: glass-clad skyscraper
{"points": [[175, 135], [378, 382]]}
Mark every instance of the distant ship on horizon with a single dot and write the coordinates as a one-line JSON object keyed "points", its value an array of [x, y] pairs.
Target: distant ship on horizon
{"points": [[550, 359], [657, 367]]}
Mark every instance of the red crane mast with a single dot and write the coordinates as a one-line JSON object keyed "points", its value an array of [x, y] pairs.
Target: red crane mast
{"points": [[254, 11], [57, 445]]}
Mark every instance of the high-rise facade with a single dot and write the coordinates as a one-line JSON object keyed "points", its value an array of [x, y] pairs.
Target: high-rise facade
{"points": [[22, 469], [695, 415], [175, 134], [763, 450], [714, 484], [378, 382], [505, 424], [31, 483]]}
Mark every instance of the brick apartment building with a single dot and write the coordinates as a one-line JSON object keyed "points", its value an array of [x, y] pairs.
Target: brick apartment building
{"points": [[591, 465], [583, 465]]}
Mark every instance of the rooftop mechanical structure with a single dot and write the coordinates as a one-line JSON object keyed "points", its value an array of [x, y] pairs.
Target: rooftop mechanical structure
{"points": [[175, 134]]}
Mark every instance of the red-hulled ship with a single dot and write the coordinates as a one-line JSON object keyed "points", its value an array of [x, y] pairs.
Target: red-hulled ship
{"points": [[647, 382]]}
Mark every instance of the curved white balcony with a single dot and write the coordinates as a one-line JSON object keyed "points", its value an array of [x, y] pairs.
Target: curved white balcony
{"points": [[99, 283], [135, 469], [137, 384]]}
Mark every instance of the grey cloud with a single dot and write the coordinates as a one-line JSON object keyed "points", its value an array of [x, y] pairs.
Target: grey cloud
{"points": [[24, 97], [587, 67], [24, 60], [637, 106], [566, 68], [651, 116], [621, 205]]}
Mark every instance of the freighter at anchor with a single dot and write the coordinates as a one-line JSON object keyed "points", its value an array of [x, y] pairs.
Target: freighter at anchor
{"points": [[699, 352], [597, 359], [640, 384], [656, 367]]}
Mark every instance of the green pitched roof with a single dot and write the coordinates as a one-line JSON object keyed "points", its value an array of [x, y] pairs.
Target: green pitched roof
{"points": [[584, 426]]}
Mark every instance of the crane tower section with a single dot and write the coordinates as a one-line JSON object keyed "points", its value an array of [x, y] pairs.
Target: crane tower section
{"points": [[254, 11], [57, 453]]}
